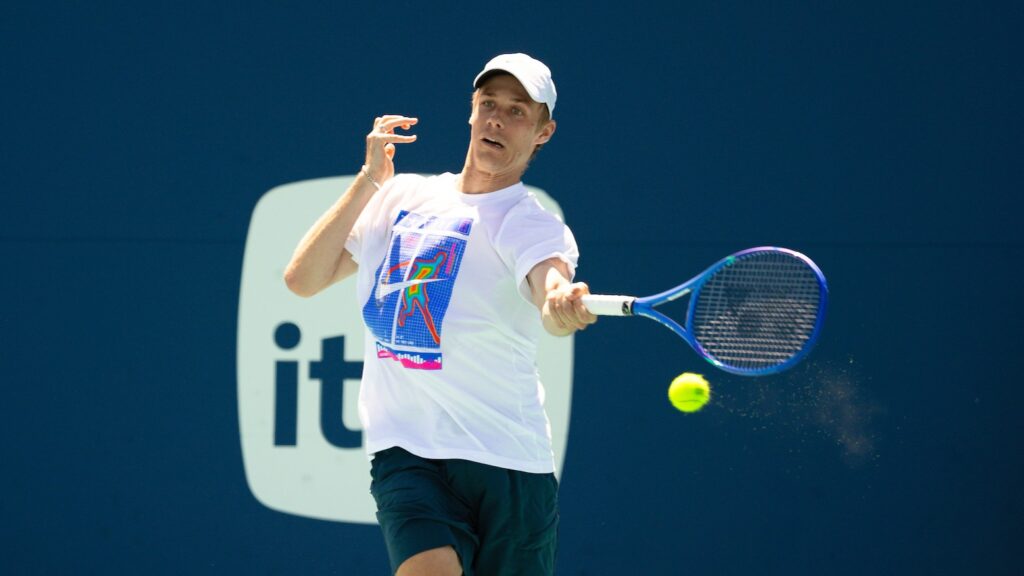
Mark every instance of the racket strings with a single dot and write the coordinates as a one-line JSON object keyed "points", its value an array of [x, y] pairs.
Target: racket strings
{"points": [[757, 312]]}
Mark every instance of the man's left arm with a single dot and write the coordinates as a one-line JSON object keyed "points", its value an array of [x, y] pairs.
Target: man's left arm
{"points": [[561, 309]]}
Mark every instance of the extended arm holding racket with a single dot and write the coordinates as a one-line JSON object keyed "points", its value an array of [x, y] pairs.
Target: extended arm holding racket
{"points": [[559, 299]]}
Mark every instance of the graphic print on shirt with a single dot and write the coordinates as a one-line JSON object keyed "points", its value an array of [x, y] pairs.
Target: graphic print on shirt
{"points": [[406, 308]]}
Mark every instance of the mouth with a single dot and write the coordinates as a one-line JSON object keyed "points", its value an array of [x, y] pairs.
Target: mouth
{"points": [[492, 143]]}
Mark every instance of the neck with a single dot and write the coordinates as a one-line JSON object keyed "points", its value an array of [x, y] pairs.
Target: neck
{"points": [[473, 180]]}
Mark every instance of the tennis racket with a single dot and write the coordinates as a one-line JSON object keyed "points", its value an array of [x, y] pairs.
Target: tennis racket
{"points": [[756, 312]]}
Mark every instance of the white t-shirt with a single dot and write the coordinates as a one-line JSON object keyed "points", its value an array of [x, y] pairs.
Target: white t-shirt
{"points": [[451, 339]]}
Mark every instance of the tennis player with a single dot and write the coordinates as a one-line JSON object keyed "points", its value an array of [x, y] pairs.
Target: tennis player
{"points": [[457, 275]]}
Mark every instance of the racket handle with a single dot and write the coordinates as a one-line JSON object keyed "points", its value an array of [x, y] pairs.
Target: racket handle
{"points": [[605, 305]]}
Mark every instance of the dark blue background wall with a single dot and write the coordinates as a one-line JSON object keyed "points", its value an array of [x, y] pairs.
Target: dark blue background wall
{"points": [[883, 139]]}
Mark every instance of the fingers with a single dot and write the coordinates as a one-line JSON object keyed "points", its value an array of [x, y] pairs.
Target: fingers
{"points": [[384, 130], [584, 315], [380, 144], [389, 123], [566, 307]]}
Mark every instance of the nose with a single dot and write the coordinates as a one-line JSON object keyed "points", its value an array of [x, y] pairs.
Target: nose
{"points": [[494, 119]]}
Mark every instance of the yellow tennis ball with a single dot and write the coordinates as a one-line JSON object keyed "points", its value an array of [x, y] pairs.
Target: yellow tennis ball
{"points": [[689, 392]]}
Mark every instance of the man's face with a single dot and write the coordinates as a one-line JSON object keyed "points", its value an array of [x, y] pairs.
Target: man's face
{"points": [[506, 127]]}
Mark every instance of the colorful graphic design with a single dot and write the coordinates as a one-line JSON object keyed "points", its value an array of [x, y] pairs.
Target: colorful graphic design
{"points": [[406, 309]]}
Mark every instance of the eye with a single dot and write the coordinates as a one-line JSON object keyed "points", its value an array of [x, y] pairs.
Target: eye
{"points": [[516, 111]]}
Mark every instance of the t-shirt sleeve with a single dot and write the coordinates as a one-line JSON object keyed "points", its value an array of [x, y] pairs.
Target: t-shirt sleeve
{"points": [[530, 235]]}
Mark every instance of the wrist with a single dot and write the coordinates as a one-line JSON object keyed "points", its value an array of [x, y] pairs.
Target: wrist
{"points": [[369, 178]]}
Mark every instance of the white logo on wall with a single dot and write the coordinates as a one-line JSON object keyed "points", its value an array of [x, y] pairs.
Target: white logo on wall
{"points": [[299, 363]]}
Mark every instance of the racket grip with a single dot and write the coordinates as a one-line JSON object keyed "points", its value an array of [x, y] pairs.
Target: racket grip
{"points": [[605, 305]]}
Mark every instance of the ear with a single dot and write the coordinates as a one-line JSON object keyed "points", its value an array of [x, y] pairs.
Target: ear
{"points": [[545, 133], [472, 107]]}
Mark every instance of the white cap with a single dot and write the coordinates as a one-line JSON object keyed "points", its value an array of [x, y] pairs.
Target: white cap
{"points": [[532, 74]]}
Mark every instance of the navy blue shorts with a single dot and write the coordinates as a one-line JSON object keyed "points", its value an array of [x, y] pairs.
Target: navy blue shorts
{"points": [[500, 522]]}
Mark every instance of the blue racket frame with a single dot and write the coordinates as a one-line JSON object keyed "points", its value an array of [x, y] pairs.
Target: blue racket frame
{"points": [[644, 306]]}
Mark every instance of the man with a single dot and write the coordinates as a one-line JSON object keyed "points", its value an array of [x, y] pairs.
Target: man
{"points": [[457, 275]]}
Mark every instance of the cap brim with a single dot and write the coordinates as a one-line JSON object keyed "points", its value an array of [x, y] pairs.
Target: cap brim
{"points": [[530, 89]]}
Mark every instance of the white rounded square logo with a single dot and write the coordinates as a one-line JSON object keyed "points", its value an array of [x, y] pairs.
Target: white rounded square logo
{"points": [[299, 365]]}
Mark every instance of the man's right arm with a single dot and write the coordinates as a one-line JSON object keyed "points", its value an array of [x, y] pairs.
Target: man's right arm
{"points": [[317, 263]]}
